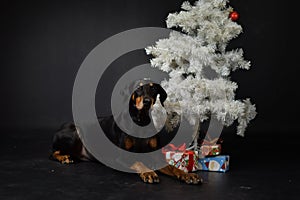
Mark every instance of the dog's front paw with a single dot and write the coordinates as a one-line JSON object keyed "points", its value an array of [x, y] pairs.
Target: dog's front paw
{"points": [[190, 178], [64, 159], [149, 177]]}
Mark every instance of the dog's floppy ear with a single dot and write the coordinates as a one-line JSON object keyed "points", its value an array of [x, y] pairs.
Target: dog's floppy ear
{"points": [[162, 93]]}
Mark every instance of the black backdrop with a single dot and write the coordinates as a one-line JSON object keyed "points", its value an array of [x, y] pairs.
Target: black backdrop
{"points": [[43, 44]]}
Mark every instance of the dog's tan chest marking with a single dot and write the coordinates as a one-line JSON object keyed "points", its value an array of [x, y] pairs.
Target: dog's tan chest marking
{"points": [[152, 142], [128, 143]]}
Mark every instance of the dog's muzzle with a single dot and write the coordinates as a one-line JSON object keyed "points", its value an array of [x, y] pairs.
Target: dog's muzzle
{"points": [[147, 102]]}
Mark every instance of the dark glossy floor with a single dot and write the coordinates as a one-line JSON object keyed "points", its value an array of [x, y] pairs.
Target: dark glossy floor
{"points": [[261, 167]]}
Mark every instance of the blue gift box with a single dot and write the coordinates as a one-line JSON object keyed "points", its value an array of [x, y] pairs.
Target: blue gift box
{"points": [[215, 163]]}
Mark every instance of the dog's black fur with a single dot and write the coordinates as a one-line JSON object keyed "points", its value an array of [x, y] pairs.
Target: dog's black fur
{"points": [[68, 147]]}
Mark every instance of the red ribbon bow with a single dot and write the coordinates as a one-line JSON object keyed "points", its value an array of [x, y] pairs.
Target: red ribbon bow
{"points": [[210, 146], [172, 147], [210, 142]]}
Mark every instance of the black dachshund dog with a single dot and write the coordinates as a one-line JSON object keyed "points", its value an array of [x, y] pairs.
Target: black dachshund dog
{"points": [[68, 147]]}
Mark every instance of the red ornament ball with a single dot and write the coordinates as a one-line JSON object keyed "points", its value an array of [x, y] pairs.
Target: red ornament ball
{"points": [[234, 15]]}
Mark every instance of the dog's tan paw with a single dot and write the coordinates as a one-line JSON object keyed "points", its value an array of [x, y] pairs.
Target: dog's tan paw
{"points": [[149, 177], [66, 159], [190, 178]]}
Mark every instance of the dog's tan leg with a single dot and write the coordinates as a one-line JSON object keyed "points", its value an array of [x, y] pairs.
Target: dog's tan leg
{"points": [[64, 159], [189, 178], [146, 174]]}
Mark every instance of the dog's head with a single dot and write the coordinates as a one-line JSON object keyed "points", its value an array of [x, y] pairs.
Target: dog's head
{"points": [[142, 100]]}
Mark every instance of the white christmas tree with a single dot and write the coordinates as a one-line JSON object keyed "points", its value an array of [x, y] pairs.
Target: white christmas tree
{"points": [[199, 47]]}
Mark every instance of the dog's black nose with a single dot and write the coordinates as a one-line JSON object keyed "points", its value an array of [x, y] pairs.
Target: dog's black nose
{"points": [[147, 101]]}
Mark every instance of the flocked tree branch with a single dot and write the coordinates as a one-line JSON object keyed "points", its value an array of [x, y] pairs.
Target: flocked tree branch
{"points": [[206, 30]]}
